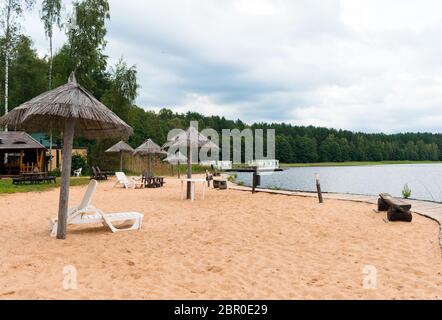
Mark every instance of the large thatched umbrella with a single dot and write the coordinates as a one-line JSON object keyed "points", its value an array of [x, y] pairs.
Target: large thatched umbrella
{"points": [[67, 109], [149, 148], [176, 159], [121, 147], [189, 139]]}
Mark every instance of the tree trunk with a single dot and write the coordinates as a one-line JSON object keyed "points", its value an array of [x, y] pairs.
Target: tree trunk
{"points": [[68, 139], [50, 63], [150, 166], [7, 45]]}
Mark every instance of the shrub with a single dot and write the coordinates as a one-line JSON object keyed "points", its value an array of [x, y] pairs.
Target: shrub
{"points": [[78, 161], [56, 172], [406, 192]]}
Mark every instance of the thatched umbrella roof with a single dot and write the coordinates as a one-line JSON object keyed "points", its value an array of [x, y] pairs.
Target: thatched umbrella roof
{"points": [[121, 147], [68, 109], [149, 148], [92, 118], [176, 158], [191, 138]]}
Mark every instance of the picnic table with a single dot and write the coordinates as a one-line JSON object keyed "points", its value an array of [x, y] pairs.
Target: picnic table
{"points": [[153, 182], [33, 178]]}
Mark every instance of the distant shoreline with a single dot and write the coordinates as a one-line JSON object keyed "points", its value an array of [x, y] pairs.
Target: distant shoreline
{"points": [[354, 164]]}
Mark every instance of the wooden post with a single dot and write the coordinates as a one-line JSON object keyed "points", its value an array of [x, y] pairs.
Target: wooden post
{"points": [[149, 168], [256, 180], [43, 161], [121, 161], [50, 152], [21, 161], [179, 169], [189, 169], [68, 139], [318, 187]]}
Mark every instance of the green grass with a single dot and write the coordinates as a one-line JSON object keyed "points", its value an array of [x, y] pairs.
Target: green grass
{"points": [[6, 186], [353, 164]]}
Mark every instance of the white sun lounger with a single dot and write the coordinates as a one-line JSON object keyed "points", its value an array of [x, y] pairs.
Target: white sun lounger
{"points": [[126, 182], [85, 213]]}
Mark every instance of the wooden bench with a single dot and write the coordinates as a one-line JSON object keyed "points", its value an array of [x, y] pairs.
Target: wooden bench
{"points": [[398, 209], [220, 183], [37, 180]]}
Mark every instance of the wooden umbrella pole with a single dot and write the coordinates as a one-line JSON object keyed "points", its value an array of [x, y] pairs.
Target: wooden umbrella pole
{"points": [[179, 169], [68, 139], [189, 170], [150, 165], [50, 152], [121, 161]]}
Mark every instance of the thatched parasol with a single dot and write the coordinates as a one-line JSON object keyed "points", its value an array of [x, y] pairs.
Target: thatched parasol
{"points": [[67, 109], [189, 139], [149, 148], [176, 159], [121, 147]]}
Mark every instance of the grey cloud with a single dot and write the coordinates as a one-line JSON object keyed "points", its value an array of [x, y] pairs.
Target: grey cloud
{"points": [[347, 64]]}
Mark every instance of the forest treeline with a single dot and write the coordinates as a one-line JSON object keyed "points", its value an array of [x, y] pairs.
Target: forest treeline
{"points": [[117, 87]]}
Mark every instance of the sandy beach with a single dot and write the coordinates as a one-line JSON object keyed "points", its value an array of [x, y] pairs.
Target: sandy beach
{"points": [[233, 245]]}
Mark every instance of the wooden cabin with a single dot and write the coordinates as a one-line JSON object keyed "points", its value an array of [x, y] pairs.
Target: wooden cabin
{"points": [[20, 153]]}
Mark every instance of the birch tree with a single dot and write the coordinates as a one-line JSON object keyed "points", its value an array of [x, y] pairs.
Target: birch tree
{"points": [[11, 13], [51, 17]]}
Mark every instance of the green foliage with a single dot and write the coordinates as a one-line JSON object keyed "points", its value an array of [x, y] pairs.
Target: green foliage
{"points": [[232, 177], [406, 192], [6, 186], [283, 149], [78, 161], [56, 172], [123, 89], [27, 73], [86, 40]]}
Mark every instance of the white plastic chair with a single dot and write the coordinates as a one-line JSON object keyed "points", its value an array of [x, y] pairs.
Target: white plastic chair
{"points": [[123, 180], [77, 172]]}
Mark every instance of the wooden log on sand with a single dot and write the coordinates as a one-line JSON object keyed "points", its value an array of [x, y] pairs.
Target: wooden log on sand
{"points": [[398, 210]]}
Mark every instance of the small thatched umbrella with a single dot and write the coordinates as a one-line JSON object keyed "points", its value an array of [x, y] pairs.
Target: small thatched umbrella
{"points": [[149, 148], [67, 109], [189, 139], [176, 159], [121, 147]]}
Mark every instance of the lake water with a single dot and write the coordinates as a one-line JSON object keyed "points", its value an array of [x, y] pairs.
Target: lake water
{"points": [[424, 180]]}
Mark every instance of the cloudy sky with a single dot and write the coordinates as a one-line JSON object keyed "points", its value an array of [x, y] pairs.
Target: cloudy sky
{"points": [[366, 65]]}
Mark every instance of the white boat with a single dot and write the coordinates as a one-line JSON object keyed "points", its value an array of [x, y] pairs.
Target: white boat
{"points": [[219, 165], [264, 164]]}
